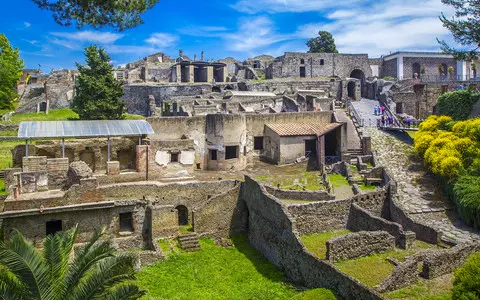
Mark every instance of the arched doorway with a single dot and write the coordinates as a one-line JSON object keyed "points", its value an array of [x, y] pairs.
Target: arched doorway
{"points": [[351, 89], [359, 75], [416, 69], [182, 215]]}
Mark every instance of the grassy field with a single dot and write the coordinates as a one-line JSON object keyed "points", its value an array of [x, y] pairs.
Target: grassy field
{"points": [[308, 180], [373, 269], [214, 272], [316, 242], [439, 288]]}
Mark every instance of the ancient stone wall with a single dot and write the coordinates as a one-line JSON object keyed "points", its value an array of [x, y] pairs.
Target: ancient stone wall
{"points": [[271, 230], [222, 215], [333, 215], [359, 244], [300, 195], [360, 219]]}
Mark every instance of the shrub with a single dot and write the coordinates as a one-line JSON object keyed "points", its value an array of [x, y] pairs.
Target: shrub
{"points": [[467, 196], [466, 285], [457, 104]]}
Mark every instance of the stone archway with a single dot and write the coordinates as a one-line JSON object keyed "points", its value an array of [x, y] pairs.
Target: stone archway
{"points": [[359, 74], [182, 211]]}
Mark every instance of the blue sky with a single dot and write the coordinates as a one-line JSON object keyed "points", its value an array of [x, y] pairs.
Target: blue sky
{"points": [[236, 28]]}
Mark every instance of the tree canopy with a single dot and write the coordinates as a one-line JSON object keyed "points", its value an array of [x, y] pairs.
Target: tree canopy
{"points": [[92, 271], [11, 67], [465, 28], [120, 15], [324, 42], [97, 92]]}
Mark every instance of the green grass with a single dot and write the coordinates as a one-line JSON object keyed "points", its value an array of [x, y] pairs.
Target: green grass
{"points": [[373, 269], [316, 242], [309, 180], [436, 289], [365, 187], [214, 272], [3, 192]]}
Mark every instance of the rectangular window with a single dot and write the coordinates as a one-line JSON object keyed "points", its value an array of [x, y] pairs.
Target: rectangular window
{"points": [[258, 143], [231, 152], [126, 222], [174, 157], [53, 227], [213, 154]]}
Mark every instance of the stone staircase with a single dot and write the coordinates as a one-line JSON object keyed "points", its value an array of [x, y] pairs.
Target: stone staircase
{"points": [[189, 242]]}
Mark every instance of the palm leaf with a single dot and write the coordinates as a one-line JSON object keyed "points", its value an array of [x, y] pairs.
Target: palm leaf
{"points": [[25, 262]]}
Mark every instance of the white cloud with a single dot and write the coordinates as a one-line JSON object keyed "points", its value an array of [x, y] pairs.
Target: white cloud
{"points": [[90, 36], [278, 6], [383, 27], [254, 34], [26, 24], [162, 40]]}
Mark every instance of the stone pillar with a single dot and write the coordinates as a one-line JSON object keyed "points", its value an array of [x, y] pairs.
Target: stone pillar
{"points": [[321, 152], [179, 73], [367, 145], [191, 73], [142, 158], [210, 74], [113, 167]]}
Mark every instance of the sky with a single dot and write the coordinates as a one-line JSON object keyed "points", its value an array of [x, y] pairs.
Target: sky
{"points": [[230, 28]]}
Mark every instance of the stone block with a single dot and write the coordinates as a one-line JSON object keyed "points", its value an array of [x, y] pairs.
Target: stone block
{"points": [[113, 167]]}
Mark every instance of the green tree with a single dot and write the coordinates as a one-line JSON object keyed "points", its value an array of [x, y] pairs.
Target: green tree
{"points": [[465, 28], [324, 42], [120, 15], [93, 272], [11, 67], [97, 92]]}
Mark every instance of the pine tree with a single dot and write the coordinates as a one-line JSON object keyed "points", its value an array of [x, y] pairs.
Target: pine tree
{"points": [[11, 67], [323, 43], [120, 15], [465, 27], [97, 92]]}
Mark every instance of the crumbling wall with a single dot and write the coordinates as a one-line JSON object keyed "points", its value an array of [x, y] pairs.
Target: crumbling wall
{"points": [[271, 230], [359, 244]]}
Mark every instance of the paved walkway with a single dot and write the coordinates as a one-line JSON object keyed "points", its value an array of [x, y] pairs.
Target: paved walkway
{"points": [[417, 191]]}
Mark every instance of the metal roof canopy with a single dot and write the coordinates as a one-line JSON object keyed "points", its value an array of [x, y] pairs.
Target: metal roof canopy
{"points": [[83, 129]]}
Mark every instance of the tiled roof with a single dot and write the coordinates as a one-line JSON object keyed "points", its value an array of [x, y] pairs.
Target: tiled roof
{"points": [[296, 129]]}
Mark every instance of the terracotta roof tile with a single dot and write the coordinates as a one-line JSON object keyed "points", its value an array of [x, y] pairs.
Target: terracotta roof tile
{"points": [[295, 129]]}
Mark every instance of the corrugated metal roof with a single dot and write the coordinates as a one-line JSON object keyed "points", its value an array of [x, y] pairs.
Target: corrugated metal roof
{"points": [[250, 94], [296, 129], [101, 128]]}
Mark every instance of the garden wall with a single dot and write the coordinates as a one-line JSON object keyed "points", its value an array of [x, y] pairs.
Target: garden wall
{"points": [[359, 244], [271, 230]]}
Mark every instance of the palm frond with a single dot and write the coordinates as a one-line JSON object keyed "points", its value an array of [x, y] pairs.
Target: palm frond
{"points": [[56, 251], [25, 262], [107, 273], [125, 292]]}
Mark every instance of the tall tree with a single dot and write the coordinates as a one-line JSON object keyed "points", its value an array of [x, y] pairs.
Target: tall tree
{"points": [[95, 272], [465, 27], [11, 67], [119, 14], [324, 42], [97, 92]]}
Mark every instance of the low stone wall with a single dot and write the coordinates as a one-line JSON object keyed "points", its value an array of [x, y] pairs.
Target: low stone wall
{"points": [[333, 215], [221, 216], [438, 263], [271, 230], [359, 244], [300, 195], [360, 219]]}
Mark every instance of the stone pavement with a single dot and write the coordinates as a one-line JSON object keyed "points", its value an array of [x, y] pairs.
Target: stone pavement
{"points": [[417, 191]]}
